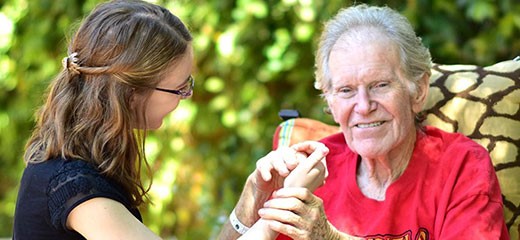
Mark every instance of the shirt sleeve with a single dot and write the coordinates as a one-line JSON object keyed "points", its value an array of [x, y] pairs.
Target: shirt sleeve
{"points": [[76, 182]]}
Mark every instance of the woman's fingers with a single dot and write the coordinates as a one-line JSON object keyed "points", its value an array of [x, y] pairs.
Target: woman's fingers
{"points": [[316, 151], [316, 157], [312, 171]]}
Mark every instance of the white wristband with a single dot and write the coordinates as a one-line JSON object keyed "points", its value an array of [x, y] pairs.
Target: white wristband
{"points": [[237, 225]]}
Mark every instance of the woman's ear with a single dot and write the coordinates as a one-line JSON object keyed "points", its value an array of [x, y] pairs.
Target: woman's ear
{"points": [[133, 99], [423, 85]]}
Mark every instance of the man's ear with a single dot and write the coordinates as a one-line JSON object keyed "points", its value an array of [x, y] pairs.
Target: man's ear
{"points": [[423, 85], [330, 109]]}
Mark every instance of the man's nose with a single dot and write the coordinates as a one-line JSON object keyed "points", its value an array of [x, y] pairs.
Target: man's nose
{"points": [[364, 104]]}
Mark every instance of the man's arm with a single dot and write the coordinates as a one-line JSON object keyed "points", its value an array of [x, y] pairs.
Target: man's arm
{"points": [[246, 209]]}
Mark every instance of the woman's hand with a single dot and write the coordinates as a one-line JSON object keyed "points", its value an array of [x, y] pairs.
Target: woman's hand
{"points": [[311, 170]]}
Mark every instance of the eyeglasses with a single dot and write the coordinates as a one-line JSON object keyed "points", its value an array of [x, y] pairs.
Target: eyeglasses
{"points": [[185, 92]]}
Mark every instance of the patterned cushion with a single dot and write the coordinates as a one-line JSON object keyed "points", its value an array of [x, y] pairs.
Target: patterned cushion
{"points": [[481, 102]]}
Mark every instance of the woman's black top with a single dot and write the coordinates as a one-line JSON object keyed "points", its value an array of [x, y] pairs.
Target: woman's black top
{"points": [[51, 189]]}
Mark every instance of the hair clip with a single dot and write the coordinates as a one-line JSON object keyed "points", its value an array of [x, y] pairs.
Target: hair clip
{"points": [[71, 62]]}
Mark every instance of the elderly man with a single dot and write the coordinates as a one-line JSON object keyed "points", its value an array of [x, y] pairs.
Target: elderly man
{"points": [[389, 177]]}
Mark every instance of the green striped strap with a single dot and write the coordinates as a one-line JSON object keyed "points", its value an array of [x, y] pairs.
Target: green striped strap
{"points": [[284, 138]]}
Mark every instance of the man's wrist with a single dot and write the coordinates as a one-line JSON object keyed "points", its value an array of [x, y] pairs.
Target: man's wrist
{"points": [[254, 190], [237, 224], [251, 200], [334, 234]]}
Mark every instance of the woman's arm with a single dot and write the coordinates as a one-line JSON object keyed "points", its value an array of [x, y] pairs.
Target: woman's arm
{"points": [[104, 218]]}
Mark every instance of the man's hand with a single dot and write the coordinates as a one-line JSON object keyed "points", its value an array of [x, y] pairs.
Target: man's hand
{"points": [[299, 214]]}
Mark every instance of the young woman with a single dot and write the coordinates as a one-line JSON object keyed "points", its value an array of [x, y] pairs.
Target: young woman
{"points": [[129, 65]]}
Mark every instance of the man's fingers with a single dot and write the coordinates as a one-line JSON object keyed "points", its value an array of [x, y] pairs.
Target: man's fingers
{"points": [[284, 160], [264, 166], [308, 146], [280, 215], [295, 159], [301, 193], [291, 158], [289, 203], [286, 229], [278, 162]]}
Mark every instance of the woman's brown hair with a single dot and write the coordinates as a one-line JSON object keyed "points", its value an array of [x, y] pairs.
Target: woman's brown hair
{"points": [[121, 49]]}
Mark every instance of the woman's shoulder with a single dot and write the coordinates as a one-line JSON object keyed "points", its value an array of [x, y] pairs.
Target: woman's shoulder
{"points": [[73, 178], [74, 182], [59, 166], [66, 168], [74, 174]]}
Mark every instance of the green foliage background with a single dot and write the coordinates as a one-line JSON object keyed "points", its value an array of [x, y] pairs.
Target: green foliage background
{"points": [[253, 58]]}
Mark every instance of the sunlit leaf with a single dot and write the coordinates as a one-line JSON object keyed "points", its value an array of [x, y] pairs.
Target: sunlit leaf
{"points": [[229, 118], [214, 84], [481, 10]]}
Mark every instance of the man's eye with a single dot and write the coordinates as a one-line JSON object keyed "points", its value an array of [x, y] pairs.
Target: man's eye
{"points": [[382, 85], [345, 92]]}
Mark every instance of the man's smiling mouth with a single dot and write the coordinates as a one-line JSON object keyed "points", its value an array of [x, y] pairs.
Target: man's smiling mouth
{"points": [[369, 125]]}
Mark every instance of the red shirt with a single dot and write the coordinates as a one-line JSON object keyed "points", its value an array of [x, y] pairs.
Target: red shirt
{"points": [[448, 191]]}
